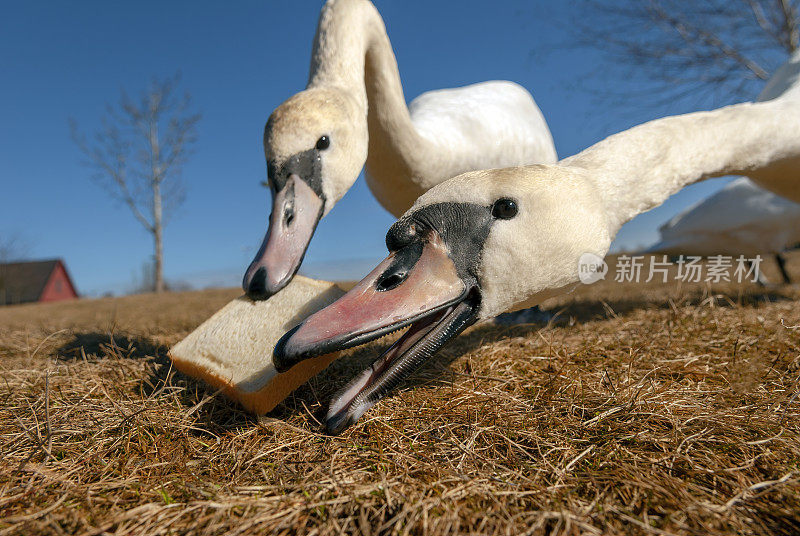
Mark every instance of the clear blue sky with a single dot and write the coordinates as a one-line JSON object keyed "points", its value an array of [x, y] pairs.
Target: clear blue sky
{"points": [[240, 60]]}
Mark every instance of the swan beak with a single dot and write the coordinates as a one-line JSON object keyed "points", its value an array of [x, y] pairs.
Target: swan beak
{"points": [[416, 286], [296, 211], [410, 284]]}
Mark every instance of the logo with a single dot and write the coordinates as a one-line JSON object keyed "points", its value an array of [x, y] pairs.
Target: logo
{"points": [[591, 268]]}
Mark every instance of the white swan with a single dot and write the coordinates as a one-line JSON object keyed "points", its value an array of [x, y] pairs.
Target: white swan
{"points": [[740, 219], [353, 111], [499, 240]]}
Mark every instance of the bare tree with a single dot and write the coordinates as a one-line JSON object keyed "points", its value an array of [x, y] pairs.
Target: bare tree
{"points": [[717, 51], [138, 155], [12, 248]]}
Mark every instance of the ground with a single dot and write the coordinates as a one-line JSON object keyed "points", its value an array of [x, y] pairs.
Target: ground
{"points": [[641, 409]]}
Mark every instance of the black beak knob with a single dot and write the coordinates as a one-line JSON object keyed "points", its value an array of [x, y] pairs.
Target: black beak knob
{"points": [[256, 288], [401, 234]]}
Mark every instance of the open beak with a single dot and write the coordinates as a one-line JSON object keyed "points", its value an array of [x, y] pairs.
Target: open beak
{"points": [[296, 210], [417, 286]]}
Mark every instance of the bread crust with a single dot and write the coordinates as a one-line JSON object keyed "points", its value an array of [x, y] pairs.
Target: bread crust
{"points": [[271, 394], [232, 350]]}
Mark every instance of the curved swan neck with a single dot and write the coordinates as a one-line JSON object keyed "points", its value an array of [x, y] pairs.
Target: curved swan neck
{"points": [[640, 168], [352, 51], [340, 44]]}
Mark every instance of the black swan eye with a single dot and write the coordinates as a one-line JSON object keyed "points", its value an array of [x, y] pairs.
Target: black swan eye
{"points": [[323, 143], [505, 209]]}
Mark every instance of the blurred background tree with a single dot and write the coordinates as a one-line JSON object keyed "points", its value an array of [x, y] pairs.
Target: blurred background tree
{"points": [[13, 248], [138, 154], [713, 51]]}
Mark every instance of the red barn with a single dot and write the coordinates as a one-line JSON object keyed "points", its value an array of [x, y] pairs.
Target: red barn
{"points": [[36, 281]]}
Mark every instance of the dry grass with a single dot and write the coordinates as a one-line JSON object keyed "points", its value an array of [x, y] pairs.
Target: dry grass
{"points": [[654, 409]]}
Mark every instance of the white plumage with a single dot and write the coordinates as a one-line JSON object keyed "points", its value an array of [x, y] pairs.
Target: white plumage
{"points": [[740, 219], [784, 83], [482, 126], [578, 205], [411, 147]]}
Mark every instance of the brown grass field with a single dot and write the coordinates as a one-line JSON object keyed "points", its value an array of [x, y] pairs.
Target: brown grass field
{"points": [[642, 409]]}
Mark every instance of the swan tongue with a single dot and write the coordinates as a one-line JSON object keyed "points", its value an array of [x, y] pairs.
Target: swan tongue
{"points": [[423, 339], [296, 210], [380, 303]]}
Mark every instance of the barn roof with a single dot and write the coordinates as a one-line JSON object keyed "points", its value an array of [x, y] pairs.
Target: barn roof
{"points": [[22, 282]]}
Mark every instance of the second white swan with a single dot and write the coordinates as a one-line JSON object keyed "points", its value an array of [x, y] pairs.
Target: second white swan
{"points": [[353, 111]]}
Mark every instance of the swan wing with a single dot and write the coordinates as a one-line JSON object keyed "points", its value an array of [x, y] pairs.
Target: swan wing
{"points": [[487, 125]]}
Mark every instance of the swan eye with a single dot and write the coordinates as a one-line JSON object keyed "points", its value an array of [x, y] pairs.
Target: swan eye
{"points": [[504, 209], [323, 143]]}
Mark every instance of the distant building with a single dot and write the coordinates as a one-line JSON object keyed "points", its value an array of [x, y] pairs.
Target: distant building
{"points": [[35, 281]]}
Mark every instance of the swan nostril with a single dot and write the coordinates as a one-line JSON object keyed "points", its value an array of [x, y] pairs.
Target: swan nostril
{"points": [[288, 217], [391, 281]]}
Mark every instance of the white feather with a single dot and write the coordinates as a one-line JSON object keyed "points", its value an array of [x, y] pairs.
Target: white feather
{"points": [[487, 125], [740, 219], [413, 147], [577, 206]]}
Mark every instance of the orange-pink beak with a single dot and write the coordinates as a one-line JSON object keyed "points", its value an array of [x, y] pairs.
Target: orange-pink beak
{"points": [[405, 287]]}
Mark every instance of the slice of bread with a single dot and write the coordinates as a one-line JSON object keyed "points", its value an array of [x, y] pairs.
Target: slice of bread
{"points": [[232, 350]]}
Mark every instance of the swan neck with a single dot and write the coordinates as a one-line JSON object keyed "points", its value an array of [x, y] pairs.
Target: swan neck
{"points": [[638, 169], [352, 51], [339, 48]]}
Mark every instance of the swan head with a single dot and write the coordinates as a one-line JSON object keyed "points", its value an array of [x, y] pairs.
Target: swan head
{"points": [[470, 248], [315, 144]]}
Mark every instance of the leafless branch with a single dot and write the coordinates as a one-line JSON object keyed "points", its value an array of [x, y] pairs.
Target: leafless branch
{"points": [[12, 247], [138, 154], [716, 50]]}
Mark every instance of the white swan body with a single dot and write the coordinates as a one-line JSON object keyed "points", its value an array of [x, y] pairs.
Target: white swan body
{"points": [[353, 112], [486, 125], [740, 219]]}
